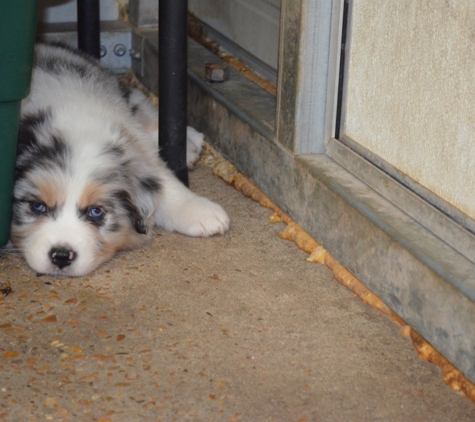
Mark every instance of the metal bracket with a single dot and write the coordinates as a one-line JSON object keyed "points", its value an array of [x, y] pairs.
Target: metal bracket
{"points": [[116, 42]]}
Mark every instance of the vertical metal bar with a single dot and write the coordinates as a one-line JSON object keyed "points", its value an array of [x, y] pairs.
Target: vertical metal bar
{"points": [[89, 31], [172, 57], [309, 33], [288, 72]]}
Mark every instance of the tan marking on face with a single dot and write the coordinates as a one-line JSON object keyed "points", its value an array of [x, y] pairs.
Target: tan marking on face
{"points": [[92, 194], [50, 191]]}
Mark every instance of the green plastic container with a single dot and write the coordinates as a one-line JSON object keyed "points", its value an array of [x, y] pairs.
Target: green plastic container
{"points": [[17, 38]]}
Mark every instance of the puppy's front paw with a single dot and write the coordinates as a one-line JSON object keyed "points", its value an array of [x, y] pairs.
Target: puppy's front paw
{"points": [[194, 145], [196, 217], [202, 218]]}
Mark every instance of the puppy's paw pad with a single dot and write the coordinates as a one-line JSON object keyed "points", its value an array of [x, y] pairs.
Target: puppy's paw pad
{"points": [[194, 144]]}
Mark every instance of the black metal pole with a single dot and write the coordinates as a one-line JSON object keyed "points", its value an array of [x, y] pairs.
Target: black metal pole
{"points": [[172, 32], [89, 31]]}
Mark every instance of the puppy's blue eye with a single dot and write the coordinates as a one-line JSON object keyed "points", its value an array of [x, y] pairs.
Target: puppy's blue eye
{"points": [[38, 207], [96, 212]]}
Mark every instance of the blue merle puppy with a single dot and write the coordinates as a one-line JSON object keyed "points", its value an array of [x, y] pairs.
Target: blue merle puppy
{"points": [[89, 180]]}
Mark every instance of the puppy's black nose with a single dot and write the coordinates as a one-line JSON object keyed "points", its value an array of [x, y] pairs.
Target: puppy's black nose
{"points": [[61, 257]]}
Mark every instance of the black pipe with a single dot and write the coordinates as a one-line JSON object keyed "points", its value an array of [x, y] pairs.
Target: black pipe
{"points": [[172, 32], [89, 31]]}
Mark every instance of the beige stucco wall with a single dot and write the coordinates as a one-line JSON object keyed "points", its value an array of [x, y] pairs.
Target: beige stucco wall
{"points": [[411, 91]]}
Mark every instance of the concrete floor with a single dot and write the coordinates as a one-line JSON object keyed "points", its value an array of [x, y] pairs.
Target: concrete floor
{"points": [[231, 328]]}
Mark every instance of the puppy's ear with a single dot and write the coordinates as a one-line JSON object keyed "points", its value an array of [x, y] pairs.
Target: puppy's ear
{"points": [[146, 192], [140, 170], [137, 219], [30, 125]]}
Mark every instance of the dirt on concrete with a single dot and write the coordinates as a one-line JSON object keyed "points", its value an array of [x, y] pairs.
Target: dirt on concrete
{"points": [[232, 328]]}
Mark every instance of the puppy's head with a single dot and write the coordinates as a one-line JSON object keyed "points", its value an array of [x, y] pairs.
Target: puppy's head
{"points": [[77, 204]]}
